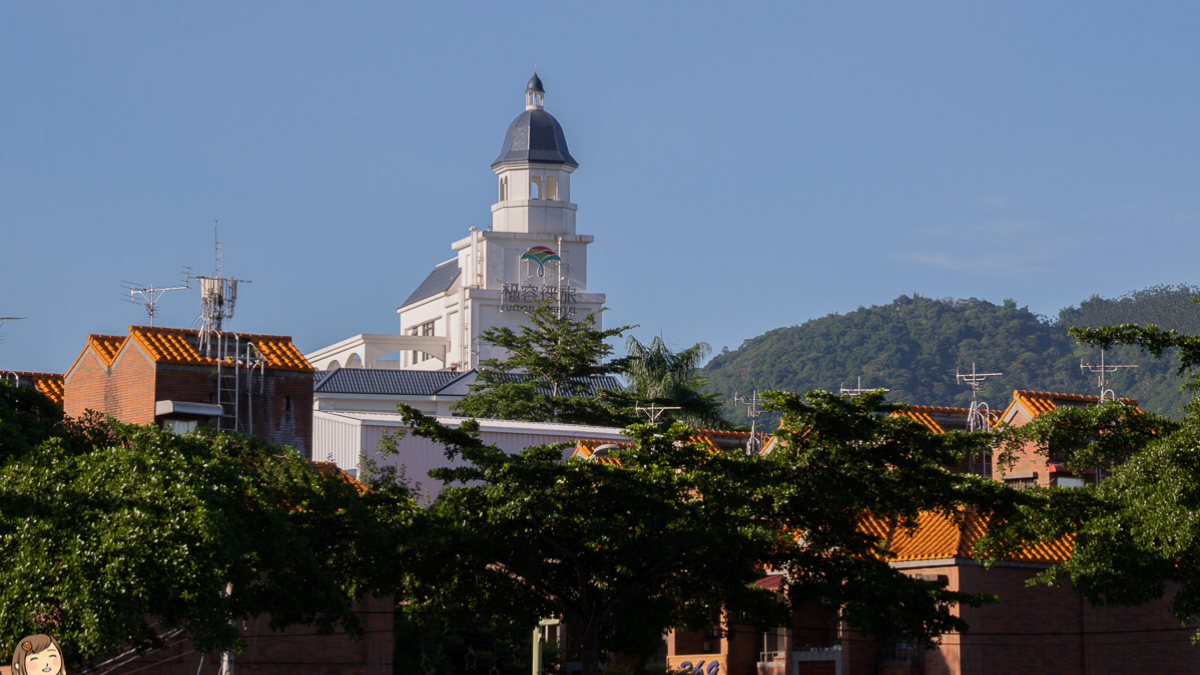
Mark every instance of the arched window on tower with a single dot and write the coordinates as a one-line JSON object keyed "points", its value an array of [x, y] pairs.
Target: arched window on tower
{"points": [[551, 187], [535, 186], [504, 188]]}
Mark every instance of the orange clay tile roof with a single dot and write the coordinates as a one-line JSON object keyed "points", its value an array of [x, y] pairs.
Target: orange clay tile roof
{"points": [[938, 536], [585, 447], [333, 470], [50, 384], [175, 346], [106, 346], [1039, 402], [925, 415]]}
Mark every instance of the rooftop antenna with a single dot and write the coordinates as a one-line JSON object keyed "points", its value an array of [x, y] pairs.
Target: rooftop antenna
{"points": [[858, 391], [753, 412], [979, 417], [218, 298], [1102, 371], [148, 296], [652, 412], [5, 319]]}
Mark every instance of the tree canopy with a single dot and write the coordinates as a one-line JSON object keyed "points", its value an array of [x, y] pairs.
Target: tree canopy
{"points": [[661, 376], [111, 534], [673, 529], [548, 373], [914, 345], [1136, 533]]}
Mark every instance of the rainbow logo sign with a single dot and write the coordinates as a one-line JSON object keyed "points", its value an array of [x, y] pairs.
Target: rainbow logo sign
{"points": [[540, 255]]}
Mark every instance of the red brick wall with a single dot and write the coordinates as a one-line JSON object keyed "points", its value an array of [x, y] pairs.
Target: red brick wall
{"points": [[279, 411], [1038, 630], [299, 650], [125, 390], [287, 419]]}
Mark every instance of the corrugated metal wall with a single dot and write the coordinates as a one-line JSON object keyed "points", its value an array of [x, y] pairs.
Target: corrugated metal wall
{"points": [[336, 441], [341, 440], [419, 455]]}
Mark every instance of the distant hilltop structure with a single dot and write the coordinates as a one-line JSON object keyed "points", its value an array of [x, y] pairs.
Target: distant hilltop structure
{"points": [[531, 253]]}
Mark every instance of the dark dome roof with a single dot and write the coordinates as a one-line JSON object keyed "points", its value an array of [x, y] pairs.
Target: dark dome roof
{"points": [[535, 85], [535, 136]]}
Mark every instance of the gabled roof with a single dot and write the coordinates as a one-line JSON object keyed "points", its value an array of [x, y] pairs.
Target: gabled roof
{"points": [[50, 384], [938, 419], [938, 536], [106, 346], [179, 346], [1036, 403], [439, 281], [385, 381]]}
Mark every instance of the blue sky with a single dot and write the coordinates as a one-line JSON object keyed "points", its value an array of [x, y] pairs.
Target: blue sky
{"points": [[743, 166]]}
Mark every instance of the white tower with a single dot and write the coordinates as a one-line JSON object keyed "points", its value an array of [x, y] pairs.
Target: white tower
{"points": [[534, 169], [531, 253]]}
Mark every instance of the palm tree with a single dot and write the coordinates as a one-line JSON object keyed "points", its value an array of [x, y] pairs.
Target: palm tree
{"points": [[664, 377]]}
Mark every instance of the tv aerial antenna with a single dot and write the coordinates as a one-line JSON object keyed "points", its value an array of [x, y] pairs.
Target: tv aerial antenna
{"points": [[148, 296], [1102, 372], [652, 412], [218, 297], [980, 417], [6, 319], [858, 390], [753, 412]]}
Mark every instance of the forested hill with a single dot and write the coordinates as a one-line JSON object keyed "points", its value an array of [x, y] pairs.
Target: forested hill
{"points": [[914, 346]]}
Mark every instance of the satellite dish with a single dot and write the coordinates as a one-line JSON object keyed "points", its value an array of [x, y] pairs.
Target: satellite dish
{"points": [[602, 451]]}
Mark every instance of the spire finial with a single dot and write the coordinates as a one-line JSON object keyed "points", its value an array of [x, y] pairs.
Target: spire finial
{"points": [[535, 93]]}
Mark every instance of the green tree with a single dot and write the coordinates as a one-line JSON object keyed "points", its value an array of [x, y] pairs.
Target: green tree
{"points": [[1137, 533], [548, 373], [839, 460], [113, 534], [675, 529], [664, 377]]}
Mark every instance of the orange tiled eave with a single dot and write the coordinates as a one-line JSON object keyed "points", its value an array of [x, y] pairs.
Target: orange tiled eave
{"points": [[50, 384], [172, 345], [1040, 402], [940, 537]]}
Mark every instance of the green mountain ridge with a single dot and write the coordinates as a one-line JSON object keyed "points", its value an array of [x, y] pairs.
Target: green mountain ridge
{"points": [[914, 346]]}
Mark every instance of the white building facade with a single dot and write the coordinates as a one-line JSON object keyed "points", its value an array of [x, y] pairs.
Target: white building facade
{"points": [[530, 254]]}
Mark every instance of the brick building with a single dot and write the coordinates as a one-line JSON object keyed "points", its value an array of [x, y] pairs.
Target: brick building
{"points": [[50, 384], [256, 384], [1031, 467], [1031, 629]]}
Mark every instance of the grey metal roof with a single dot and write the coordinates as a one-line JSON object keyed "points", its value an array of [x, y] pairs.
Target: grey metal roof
{"points": [[582, 386], [438, 281], [535, 136], [397, 382], [385, 381]]}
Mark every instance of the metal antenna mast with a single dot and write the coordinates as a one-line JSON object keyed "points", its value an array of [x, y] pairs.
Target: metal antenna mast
{"points": [[218, 298], [858, 391], [4, 319], [753, 412], [148, 296], [980, 417], [652, 412], [1102, 371]]}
